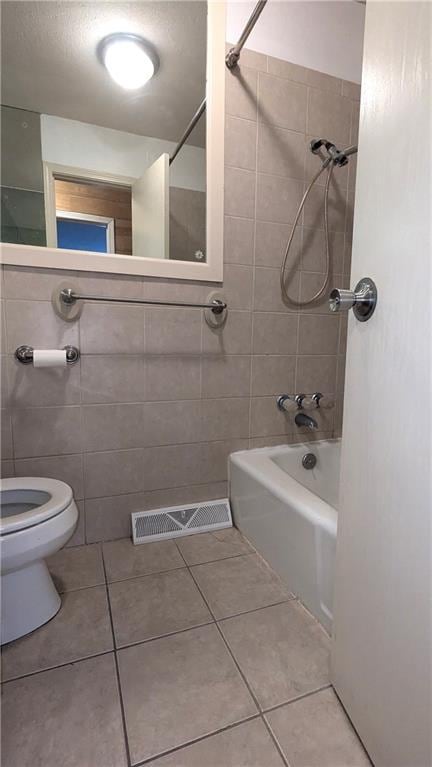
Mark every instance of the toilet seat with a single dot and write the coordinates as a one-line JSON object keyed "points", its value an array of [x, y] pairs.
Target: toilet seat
{"points": [[46, 497]]}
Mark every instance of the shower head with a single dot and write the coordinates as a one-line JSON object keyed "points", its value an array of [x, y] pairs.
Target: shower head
{"points": [[335, 155]]}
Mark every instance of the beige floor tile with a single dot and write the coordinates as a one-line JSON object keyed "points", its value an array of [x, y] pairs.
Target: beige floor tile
{"points": [[208, 547], [69, 716], [179, 688], [124, 560], [236, 585], [80, 629], [77, 568], [247, 745], [143, 608], [282, 651], [315, 732]]}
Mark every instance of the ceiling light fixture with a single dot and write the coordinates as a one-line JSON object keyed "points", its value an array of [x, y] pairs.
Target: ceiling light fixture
{"points": [[128, 59]]}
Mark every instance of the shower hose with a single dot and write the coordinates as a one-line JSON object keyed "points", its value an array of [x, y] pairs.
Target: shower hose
{"points": [[329, 165]]}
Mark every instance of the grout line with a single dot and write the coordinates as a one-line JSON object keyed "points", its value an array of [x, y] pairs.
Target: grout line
{"points": [[197, 740], [297, 698], [60, 665], [120, 692], [251, 693], [120, 648]]}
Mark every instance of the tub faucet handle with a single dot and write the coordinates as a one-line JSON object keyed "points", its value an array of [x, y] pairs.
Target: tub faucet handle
{"points": [[286, 402]]}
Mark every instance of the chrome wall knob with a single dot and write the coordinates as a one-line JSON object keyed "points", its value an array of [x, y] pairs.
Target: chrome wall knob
{"points": [[362, 300]]}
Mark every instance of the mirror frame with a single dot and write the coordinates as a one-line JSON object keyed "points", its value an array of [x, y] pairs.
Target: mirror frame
{"points": [[212, 269]]}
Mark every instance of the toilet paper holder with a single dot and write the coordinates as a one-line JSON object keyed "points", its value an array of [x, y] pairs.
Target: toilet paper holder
{"points": [[24, 354]]}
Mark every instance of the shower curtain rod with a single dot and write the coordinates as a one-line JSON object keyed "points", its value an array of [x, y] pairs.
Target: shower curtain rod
{"points": [[200, 111], [233, 55], [231, 60]]}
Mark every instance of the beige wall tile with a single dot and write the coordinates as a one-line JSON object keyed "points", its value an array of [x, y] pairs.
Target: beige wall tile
{"points": [[318, 335], [34, 323], [351, 90], [355, 119], [112, 378], [233, 338], [314, 209], [117, 285], [24, 282], [238, 240], [112, 427], [214, 458], [106, 329], [172, 377], [241, 92], [281, 102], [46, 431], [7, 469], [280, 151], [252, 59], [113, 473], [4, 388], [275, 333], [267, 419], [7, 451], [172, 466], [38, 387], [267, 291], [286, 69], [272, 375], [329, 116], [175, 290], [313, 251], [240, 143], [237, 286], [173, 331], [239, 192], [66, 468], [226, 376], [225, 418], [278, 198], [310, 284], [271, 241], [171, 423], [323, 81], [316, 374]]}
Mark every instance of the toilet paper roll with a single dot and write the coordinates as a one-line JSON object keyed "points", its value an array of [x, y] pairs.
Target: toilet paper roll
{"points": [[49, 358]]}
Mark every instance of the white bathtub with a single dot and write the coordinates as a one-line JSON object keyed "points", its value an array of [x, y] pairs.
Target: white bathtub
{"points": [[290, 515]]}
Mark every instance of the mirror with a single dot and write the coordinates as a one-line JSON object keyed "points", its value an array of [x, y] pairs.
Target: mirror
{"points": [[104, 147]]}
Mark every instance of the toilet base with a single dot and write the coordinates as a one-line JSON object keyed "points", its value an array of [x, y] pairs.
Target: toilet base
{"points": [[28, 600]]}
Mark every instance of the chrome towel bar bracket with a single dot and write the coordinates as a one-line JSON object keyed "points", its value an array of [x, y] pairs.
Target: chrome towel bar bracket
{"points": [[66, 301]]}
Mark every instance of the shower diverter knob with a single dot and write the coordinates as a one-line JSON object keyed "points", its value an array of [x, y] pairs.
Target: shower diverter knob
{"points": [[362, 299]]}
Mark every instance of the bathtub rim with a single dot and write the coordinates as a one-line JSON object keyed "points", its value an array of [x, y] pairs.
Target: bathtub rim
{"points": [[258, 464]]}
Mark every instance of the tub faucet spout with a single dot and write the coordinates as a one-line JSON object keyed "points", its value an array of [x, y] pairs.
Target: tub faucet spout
{"points": [[302, 419]]}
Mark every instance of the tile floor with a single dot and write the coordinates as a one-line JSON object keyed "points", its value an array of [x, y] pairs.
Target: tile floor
{"points": [[173, 654]]}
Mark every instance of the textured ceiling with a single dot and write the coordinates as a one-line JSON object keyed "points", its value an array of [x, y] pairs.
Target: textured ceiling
{"points": [[49, 63]]}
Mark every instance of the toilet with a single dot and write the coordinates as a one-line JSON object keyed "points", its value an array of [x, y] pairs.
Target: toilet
{"points": [[38, 516]]}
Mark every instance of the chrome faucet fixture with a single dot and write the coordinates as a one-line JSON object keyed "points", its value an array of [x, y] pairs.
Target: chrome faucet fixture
{"points": [[291, 402], [302, 419]]}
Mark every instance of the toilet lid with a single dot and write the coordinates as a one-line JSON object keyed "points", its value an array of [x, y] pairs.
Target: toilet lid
{"points": [[27, 501]]}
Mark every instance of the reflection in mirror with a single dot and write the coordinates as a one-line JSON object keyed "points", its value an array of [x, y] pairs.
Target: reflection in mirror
{"points": [[95, 99]]}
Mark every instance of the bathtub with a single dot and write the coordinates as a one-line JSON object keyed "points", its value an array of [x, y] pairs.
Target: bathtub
{"points": [[290, 515]]}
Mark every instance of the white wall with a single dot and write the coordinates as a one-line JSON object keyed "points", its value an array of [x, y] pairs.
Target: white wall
{"points": [[327, 36], [81, 145]]}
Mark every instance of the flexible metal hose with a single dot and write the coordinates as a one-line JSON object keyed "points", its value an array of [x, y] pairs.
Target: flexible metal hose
{"points": [[329, 164]]}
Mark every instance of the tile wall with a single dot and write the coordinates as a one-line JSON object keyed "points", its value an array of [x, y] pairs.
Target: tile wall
{"points": [[159, 400]]}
